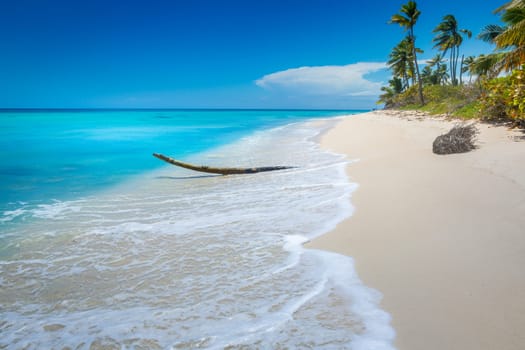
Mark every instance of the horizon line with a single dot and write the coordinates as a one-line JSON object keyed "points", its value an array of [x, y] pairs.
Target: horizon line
{"points": [[177, 109]]}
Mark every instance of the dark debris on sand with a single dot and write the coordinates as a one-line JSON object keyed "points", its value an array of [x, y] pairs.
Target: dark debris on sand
{"points": [[460, 139]]}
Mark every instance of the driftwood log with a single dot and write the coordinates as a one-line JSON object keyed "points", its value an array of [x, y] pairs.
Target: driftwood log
{"points": [[222, 171]]}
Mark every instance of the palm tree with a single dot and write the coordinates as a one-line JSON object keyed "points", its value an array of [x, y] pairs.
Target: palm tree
{"points": [[401, 62], [488, 65], [426, 76], [439, 75], [468, 66], [407, 20], [513, 37], [434, 77], [449, 38], [395, 87], [509, 39]]}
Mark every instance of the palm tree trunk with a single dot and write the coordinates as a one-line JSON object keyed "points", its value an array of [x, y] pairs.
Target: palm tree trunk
{"points": [[419, 82], [461, 70], [456, 58], [222, 171], [451, 65]]}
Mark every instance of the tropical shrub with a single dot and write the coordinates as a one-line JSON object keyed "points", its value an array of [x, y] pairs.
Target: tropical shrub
{"points": [[517, 103], [504, 98], [440, 99], [409, 97]]}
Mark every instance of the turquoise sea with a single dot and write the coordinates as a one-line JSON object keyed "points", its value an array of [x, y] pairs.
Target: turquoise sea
{"points": [[57, 154], [102, 246]]}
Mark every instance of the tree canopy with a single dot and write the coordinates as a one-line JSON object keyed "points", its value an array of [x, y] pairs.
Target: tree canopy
{"points": [[496, 85]]}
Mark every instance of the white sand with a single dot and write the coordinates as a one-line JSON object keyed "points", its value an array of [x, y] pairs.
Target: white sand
{"points": [[442, 237]]}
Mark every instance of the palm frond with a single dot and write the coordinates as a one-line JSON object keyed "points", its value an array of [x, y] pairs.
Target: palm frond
{"points": [[401, 20], [514, 15], [510, 5], [490, 32], [467, 32], [489, 65], [513, 36], [513, 59]]}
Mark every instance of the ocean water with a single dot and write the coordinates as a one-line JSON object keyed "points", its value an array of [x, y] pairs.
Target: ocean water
{"points": [[104, 247]]}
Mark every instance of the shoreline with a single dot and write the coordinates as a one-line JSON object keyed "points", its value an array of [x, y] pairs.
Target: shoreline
{"points": [[441, 237]]}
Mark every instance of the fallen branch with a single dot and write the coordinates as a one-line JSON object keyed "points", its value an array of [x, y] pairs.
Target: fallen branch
{"points": [[222, 171]]}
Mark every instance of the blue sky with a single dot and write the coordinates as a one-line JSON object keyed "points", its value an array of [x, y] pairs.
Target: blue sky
{"points": [[210, 53]]}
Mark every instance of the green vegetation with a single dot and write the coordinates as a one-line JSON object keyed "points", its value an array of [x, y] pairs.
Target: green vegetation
{"points": [[495, 89], [504, 98]]}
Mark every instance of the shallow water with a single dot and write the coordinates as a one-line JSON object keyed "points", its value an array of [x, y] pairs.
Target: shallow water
{"points": [[174, 259]]}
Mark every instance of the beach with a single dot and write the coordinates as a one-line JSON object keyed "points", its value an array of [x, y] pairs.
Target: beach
{"points": [[441, 237]]}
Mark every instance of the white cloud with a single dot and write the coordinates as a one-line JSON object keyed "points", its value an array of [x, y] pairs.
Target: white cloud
{"points": [[348, 80]]}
